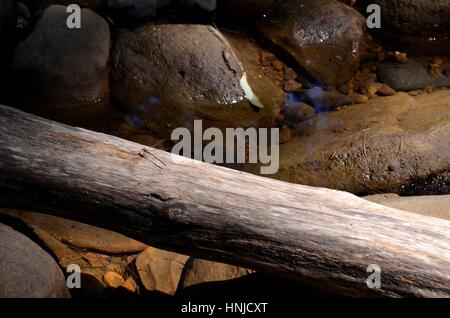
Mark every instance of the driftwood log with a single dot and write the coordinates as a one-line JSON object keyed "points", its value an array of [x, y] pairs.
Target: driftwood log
{"points": [[323, 237]]}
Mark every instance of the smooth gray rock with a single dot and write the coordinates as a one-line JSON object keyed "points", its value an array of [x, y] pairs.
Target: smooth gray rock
{"points": [[26, 270], [62, 73], [410, 76]]}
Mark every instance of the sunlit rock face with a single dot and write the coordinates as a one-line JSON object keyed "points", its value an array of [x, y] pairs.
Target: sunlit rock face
{"points": [[326, 38], [375, 147], [196, 75], [415, 25]]}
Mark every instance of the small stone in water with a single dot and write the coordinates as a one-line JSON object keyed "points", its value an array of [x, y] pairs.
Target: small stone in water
{"points": [[359, 98], [436, 66], [292, 86], [415, 93], [266, 58], [279, 118], [277, 65], [373, 89], [285, 134], [386, 90], [289, 74], [401, 57]]}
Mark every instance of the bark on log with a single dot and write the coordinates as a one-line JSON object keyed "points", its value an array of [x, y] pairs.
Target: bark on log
{"points": [[323, 237]]}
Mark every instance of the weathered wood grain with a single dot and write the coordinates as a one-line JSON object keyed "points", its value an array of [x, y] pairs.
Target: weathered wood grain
{"points": [[323, 237]]}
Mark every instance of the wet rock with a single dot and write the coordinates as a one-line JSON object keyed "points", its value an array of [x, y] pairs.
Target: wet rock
{"points": [[262, 81], [62, 73], [26, 269], [323, 100], [160, 271], [411, 75], [438, 184], [330, 50], [433, 205], [195, 75], [421, 26], [378, 146]]}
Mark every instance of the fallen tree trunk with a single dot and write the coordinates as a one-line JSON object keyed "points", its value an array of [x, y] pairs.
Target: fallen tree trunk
{"points": [[324, 237]]}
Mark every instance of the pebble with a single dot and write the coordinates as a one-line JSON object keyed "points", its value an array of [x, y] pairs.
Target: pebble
{"points": [[266, 58], [297, 113], [400, 57], [113, 279], [130, 285], [373, 89], [285, 134], [292, 86], [289, 74], [386, 90], [277, 65], [360, 98]]}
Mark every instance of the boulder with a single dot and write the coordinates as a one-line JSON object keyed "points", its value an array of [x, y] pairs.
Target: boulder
{"points": [[412, 75], [96, 251], [27, 271], [328, 49], [62, 73], [420, 26], [378, 146], [194, 75]]}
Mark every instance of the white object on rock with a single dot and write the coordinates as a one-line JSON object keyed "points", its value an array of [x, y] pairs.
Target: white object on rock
{"points": [[252, 98]]}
